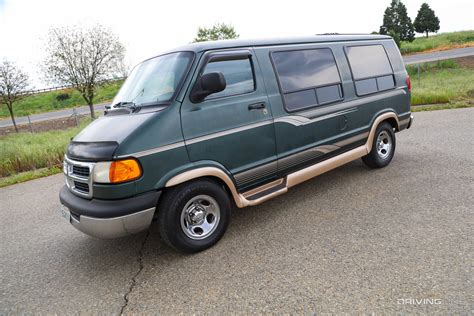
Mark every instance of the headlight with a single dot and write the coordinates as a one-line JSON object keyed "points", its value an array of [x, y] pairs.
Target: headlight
{"points": [[101, 172], [117, 171]]}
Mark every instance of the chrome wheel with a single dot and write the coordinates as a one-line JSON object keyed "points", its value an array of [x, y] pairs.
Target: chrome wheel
{"points": [[200, 217], [384, 145]]}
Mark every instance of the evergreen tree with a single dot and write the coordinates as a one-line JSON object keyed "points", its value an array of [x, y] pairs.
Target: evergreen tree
{"points": [[396, 19], [426, 21]]}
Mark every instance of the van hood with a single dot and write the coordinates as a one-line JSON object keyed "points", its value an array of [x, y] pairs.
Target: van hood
{"points": [[99, 140]]}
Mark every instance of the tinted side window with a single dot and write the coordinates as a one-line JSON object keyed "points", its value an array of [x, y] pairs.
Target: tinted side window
{"points": [[307, 77], [238, 75], [371, 69]]}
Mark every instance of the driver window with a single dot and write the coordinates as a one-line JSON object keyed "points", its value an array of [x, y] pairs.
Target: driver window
{"points": [[238, 75]]}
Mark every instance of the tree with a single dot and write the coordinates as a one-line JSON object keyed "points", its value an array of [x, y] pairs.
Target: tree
{"points": [[219, 31], [123, 69], [13, 83], [397, 20], [395, 36], [426, 21], [83, 58]]}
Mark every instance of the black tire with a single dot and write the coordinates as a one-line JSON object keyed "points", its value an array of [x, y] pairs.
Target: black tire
{"points": [[172, 207], [381, 158]]}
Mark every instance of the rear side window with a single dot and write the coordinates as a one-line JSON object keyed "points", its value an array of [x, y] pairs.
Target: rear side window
{"points": [[371, 69], [238, 75], [307, 77]]}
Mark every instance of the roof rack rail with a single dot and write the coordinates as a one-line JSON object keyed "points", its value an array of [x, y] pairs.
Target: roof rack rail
{"points": [[335, 33]]}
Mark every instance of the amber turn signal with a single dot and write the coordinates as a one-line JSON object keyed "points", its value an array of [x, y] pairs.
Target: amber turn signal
{"points": [[124, 170]]}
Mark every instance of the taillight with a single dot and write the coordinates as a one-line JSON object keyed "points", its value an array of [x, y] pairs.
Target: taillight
{"points": [[408, 83]]}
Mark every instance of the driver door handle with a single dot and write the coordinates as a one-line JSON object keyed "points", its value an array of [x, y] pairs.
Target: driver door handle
{"points": [[257, 106]]}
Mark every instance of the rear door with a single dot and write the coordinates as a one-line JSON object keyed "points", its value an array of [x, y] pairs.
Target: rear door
{"points": [[307, 88], [233, 127]]}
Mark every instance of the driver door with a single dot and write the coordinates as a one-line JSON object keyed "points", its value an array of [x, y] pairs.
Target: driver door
{"points": [[234, 127]]}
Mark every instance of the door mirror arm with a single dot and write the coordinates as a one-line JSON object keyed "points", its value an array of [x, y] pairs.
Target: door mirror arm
{"points": [[206, 85]]}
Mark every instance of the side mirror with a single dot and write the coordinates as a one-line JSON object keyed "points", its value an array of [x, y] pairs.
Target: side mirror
{"points": [[208, 84]]}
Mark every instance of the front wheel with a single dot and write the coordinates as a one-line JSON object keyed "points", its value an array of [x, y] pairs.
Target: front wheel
{"points": [[194, 216], [383, 147]]}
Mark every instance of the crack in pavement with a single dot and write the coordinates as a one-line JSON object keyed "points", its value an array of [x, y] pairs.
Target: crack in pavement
{"points": [[133, 282]]}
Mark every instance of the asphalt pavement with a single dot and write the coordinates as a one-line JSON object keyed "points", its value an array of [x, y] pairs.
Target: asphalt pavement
{"points": [[411, 59], [354, 240], [47, 116], [441, 55]]}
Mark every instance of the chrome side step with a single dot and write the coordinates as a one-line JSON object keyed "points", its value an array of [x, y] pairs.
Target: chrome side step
{"points": [[265, 189]]}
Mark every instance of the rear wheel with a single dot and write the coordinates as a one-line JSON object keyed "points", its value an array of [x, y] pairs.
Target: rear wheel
{"points": [[383, 147], [194, 216]]}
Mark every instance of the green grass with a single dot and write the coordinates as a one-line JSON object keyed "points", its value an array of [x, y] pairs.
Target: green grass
{"points": [[441, 82], [28, 175], [436, 107], [31, 151], [47, 101], [440, 41]]}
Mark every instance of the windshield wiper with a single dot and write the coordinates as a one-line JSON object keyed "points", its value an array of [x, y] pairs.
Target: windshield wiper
{"points": [[130, 105]]}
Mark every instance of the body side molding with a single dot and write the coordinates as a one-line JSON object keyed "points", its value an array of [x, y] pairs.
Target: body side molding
{"points": [[291, 179]]}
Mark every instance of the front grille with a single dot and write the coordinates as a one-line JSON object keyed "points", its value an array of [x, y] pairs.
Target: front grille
{"points": [[80, 171], [80, 186], [79, 177]]}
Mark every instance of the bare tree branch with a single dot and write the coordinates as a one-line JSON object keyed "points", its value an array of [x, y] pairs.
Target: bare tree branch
{"points": [[83, 58]]}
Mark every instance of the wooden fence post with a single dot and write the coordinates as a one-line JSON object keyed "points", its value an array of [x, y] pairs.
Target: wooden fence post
{"points": [[75, 116], [31, 125], [418, 68]]}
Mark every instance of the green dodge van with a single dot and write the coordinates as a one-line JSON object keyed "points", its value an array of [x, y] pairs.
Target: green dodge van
{"points": [[201, 128]]}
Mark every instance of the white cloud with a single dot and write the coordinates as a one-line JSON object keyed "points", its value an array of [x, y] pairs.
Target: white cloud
{"points": [[148, 27]]}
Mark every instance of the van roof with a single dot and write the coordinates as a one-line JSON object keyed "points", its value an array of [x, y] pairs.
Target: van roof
{"points": [[235, 43]]}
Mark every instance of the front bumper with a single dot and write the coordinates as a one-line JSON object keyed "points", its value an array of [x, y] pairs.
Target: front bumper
{"points": [[108, 219]]}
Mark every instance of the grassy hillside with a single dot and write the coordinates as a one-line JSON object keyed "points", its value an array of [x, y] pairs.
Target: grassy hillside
{"points": [[441, 41], [448, 81], [26, 151], [48, 101]]}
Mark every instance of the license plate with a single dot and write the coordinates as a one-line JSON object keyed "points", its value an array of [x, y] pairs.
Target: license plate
{"points": [[65, 213]]}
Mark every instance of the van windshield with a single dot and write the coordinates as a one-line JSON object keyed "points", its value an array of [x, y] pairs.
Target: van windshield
{"points": [[154, 81]]}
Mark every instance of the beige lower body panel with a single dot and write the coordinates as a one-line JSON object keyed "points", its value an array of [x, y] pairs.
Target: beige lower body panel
{"points": [[325, 166]]}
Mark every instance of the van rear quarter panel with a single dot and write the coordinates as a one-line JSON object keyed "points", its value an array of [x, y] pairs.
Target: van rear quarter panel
{"points": [[366, 108], [359, 111]]}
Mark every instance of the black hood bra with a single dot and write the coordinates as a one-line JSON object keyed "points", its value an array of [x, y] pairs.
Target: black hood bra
{"points": [[91, 151]]}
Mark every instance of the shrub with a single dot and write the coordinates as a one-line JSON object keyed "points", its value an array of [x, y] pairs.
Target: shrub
{"points": [[62, 96]]}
